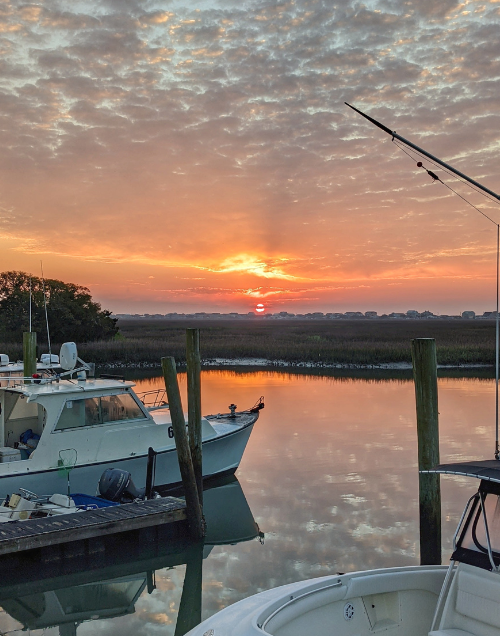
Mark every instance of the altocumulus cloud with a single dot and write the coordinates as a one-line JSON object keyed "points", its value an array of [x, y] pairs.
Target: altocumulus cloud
{"points": [[219, 129]]}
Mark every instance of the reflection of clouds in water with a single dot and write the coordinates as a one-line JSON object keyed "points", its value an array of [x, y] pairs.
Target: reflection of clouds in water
{"points": [[155, 613], [353, 499], [330, 476]]}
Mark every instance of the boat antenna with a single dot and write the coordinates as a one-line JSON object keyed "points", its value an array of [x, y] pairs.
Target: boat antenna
{"points": [[46, 316], [484, 190], [30, 304]]}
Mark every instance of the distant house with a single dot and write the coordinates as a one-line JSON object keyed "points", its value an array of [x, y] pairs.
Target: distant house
{"points": [[413, 313], [469, 315], [353, 314], [371, 314]]}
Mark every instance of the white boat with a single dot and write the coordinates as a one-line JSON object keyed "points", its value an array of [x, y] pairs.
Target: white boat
{"points": [[12, 370], [115, 487], [26, 505], [460, 600], [91, 424]]}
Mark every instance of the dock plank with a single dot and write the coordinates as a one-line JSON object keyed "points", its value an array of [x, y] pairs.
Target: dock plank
{"points": [[18, 536]]}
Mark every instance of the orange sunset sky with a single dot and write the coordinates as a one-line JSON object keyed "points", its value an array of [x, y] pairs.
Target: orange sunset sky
{"points": [[198, 156]]}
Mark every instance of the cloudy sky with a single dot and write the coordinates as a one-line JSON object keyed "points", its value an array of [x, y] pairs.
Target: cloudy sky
{"points": [[198, 156]]}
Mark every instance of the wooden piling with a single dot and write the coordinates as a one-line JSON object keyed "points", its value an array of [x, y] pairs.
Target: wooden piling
{"points": [[29, 354], [423, 352], [193, 508], [194, 405], [150, 470]]}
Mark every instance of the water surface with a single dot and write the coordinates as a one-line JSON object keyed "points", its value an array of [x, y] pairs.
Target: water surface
{"points": [[329, 476]]}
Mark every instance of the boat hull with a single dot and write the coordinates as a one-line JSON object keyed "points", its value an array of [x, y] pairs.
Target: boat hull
{"points": [[396, 601], [221, 455]]}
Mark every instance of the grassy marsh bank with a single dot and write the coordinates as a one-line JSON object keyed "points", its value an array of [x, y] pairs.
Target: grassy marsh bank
{"points": [[345, 342], [355, 342]]}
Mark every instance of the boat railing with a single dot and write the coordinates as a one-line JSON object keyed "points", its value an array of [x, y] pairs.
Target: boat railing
{"points": [[14, 381], [46, 376], [154, 399]]}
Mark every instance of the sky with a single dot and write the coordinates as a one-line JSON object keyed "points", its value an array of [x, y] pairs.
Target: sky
{"points": [[198, 156]]}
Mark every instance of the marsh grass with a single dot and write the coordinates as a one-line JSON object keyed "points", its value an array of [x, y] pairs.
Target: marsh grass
{"points": [[144, 342]]}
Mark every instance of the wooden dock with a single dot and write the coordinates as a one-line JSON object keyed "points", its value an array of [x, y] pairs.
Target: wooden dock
{"points": [[18, 536]]}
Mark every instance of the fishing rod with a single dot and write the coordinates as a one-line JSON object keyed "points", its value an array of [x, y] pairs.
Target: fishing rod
{"points": [[480, 186], [395, 135]]}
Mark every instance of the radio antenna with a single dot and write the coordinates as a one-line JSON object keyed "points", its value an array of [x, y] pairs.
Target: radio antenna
{"points": [[46, 316], [30, 304]]}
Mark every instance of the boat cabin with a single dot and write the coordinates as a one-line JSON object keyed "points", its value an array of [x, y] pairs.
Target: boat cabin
{"points": [[30, 413], [101, 419]]}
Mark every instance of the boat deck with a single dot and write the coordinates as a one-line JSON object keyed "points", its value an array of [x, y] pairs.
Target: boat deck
{"points": [[18, 536]]}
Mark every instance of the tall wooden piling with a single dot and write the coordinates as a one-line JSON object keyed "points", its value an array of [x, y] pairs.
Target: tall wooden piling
{"points": [[423, 352], [193, 507], [194, 404], [29, 354]]}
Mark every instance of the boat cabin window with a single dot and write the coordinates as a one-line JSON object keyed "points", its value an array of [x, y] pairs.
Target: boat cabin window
{"points": [[96, 411]]}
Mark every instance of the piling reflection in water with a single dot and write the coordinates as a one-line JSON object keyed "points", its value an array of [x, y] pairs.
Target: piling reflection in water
{"points": [[69, 593]]}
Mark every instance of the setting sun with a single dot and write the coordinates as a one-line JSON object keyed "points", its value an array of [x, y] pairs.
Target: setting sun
{"points": [[260, 308]]}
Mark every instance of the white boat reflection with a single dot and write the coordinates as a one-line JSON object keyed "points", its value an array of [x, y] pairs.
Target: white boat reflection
{"points": [[66, 593]]}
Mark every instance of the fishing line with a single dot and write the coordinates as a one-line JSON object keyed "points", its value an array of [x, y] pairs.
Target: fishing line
{"points": [[435, 178], [450, 174], [478, 187]]}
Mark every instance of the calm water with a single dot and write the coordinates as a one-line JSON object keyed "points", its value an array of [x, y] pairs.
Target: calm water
{"points": [[330, 478]]}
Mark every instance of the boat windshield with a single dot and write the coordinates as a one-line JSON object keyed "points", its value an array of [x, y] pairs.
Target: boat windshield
{"points": [[96, 411], [479, 541], [475, 534]]}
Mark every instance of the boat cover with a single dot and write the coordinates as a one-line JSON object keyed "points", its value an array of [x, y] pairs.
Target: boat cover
{"points": [[487, 469]]}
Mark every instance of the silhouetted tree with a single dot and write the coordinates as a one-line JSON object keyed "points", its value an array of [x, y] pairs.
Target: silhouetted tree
{"points": [[72, 313]]}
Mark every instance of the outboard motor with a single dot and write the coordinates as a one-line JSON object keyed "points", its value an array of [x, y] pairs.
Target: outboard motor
{"points": [[117, 485]]}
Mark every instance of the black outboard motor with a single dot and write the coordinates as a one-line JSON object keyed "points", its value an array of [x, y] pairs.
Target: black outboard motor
{"points": [[117, 485]]}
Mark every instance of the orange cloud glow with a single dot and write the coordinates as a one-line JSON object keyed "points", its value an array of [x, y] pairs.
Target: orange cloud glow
{"points": [[200, 158]]}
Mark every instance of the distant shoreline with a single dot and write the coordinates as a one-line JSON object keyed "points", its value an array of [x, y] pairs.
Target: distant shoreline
{"points": [[221, 363]]}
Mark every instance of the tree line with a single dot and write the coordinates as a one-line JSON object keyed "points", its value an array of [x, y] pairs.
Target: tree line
{"points": [[71, 312]]}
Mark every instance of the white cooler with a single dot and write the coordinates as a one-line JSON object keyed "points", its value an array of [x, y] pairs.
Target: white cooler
{"points": [[8, 454]]}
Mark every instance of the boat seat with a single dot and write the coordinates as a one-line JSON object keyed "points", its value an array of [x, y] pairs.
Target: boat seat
{"points": [[473, 604]]}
